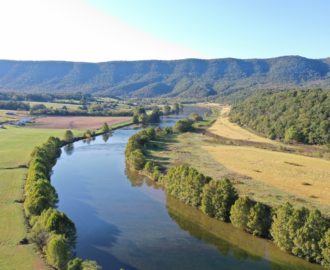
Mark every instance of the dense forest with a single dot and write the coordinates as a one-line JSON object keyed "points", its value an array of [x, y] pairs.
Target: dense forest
{"points": [[290, 116], [187, 78]]}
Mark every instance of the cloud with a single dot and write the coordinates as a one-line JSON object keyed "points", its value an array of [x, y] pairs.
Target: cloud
{"points": [[73, 30]]}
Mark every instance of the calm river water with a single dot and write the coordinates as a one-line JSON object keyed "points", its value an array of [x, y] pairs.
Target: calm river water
{"points": [[123, 221]]}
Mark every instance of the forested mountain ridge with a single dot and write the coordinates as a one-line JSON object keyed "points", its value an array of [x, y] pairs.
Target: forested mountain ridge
{"points": [[191, 78], [291, 116]]}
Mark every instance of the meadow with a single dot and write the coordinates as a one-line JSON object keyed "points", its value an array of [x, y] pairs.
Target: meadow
{"points": [[300, 175], [77, 122], [55, 105], [16, 145], [268, 175]]}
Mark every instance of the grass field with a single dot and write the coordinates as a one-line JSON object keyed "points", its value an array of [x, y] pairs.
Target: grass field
{"points": [[271, 177], [17, 115], [55, 105], [303, 176], [224, 128], [77, 122], [16, 145]]}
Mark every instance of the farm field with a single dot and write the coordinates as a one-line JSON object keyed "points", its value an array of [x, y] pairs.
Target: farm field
{"points": [[77, 122], [303, 176], [224, 128], [15, 115], [16, 145], [266, 175], [55, 105]]}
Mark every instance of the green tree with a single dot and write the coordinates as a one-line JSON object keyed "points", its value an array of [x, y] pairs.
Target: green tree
{"points": [[68, 136], [58, 251], [195, 117], [137, 159], [239, 213], [167, 110], [135, 118], [90, 265], [143, 118], [106, 128], [186, 184], [292, 135], [280, 230], [183, 125], [218, 197], [39, 197], [308, 237], [325, 248], [259, 220], [75, 264], [52, 220]]}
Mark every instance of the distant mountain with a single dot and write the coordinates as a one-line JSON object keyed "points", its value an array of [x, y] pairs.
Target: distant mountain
{"points": [[191, 78]]}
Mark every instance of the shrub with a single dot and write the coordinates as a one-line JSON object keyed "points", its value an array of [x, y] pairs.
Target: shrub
{"points": [[52, 220], [184, 125]]}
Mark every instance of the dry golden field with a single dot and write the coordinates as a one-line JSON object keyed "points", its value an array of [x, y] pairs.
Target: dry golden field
{"points": [[224, 128], [300, 175]]}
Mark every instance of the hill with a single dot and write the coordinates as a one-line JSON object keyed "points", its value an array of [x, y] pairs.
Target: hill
{"points": [[189, 78], [291, 116]]}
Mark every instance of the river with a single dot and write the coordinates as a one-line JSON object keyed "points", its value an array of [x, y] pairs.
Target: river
{"points": [[125, 221]]}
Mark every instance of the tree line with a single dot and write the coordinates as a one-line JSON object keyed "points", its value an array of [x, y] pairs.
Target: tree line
{"points": [[140, 115], [291, 116], [302, 232], [51, 230]]}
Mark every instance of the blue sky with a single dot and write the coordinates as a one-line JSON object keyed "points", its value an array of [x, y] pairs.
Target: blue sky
{"points": [[232, 28], [104, 30]]}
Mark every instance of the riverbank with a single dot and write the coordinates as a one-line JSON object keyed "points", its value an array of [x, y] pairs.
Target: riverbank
{"points": [[139, 157], [16, 145]]}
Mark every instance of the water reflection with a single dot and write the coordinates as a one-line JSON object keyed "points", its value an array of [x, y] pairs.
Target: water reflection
{"points": [[68, 149], [231, 241], [125, 220], [106, 136]]}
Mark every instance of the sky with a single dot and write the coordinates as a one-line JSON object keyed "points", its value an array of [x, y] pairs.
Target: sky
{"points": [[105, 30]]}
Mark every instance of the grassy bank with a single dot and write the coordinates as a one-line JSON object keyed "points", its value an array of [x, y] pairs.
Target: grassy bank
{"points": [[16, 145]]}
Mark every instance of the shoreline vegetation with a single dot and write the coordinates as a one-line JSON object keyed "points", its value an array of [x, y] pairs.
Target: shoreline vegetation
{"points": [[300, 231], [53, 233]]}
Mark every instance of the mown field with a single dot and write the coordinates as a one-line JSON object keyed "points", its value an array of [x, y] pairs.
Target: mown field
{"points": [[296, 174], [16, 145], [55, 105], [77, 122]]}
